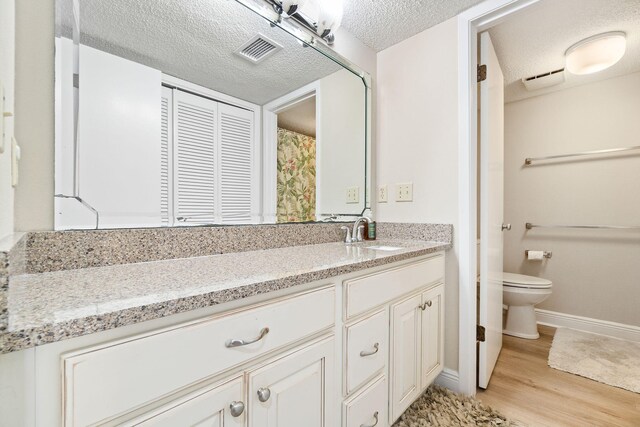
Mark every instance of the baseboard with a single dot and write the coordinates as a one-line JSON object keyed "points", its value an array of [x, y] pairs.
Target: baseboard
{"points": [[450, 379], [603, 327]]}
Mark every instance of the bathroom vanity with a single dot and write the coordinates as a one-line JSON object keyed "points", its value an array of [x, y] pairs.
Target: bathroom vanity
{"points": [[314, 335]]}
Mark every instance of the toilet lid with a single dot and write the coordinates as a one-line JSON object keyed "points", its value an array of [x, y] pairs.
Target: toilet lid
{"points": [[522, 281]]}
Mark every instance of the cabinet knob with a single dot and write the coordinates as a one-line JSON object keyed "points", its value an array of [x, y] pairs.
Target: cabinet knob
{"points": [[264, 394], [236, 408], [424, 306], [375, 422]]}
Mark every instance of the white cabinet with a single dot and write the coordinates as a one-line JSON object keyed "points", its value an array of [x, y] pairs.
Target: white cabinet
{"points": [[417, 346], [220, 405], [369, 408], [109, 381], [405, 353], [367, 346], [432, 334], [321, 357], [295, 390]]}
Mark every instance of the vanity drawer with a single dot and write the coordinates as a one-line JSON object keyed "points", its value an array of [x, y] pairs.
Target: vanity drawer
{"points": [[367, 292], [367, 349], [368, 408], [107, 381]]}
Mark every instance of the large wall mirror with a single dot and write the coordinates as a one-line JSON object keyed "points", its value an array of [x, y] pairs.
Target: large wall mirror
{"points": [[198, 112]]}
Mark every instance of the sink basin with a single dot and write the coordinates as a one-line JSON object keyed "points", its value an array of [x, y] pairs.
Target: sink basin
{"points": [[385, 248]]}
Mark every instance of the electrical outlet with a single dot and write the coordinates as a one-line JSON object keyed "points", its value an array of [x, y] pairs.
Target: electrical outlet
{"points": [[353, 195], [404, 192], [383, 194]]}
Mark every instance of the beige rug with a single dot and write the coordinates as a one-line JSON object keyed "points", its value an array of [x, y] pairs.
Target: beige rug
{"points": [[441, 407], [608, 360]]}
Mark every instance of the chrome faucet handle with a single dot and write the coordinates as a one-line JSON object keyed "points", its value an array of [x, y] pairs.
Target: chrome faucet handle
{"points": [[347, 237], [356, 224], [361, 233]]}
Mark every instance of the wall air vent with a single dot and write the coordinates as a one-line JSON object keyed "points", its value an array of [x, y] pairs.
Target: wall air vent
{"points": [[544, 80], [258, 48]]}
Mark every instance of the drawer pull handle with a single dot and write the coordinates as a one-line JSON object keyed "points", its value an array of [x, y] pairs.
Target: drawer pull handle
{"points": [[375, 423], [264, 394], [240, 343], [376, 347], [236, 408], [425, 305]]}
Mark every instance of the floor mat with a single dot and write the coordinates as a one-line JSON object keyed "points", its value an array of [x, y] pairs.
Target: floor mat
{"points": [[605, 359]]}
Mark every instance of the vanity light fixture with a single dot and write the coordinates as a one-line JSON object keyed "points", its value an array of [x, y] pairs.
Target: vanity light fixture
{"points": [[288, 7], [322, 17], [330, 17], [596, 53]]}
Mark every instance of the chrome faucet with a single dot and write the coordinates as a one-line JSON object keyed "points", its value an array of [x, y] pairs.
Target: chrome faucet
{"points": [[356, 236]]}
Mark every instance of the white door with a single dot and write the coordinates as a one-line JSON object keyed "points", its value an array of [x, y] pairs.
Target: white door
{"points": [[217, 406], [237, 171], [405, 354], [491, 209], [195, 180], [295, 390]]}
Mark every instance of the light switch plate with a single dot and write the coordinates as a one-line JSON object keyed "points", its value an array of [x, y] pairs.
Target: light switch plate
{"points": [[353, 195], [404, 192], [383, 194]]}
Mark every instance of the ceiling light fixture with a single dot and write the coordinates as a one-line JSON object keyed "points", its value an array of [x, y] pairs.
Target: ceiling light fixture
{"points": [[596, 53]]}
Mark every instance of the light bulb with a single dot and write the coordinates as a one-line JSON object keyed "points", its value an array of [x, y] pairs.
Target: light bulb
{"points": [[596, 53], [292, 6], [330, 16]]}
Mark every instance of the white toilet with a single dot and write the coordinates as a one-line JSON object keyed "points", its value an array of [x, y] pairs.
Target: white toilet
{"points": [[520, 294]]}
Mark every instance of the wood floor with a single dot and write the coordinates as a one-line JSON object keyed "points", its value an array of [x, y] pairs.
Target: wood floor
{"points": [[524, 388]]}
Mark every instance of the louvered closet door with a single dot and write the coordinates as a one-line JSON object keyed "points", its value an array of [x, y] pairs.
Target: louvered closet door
{"points": [[166, 155], [195, 174], [237, 170]]}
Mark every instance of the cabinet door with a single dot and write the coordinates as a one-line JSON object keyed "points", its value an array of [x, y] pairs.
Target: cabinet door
{"points": [[211, 407], [432, 334], [405, 354], [295, 390]]}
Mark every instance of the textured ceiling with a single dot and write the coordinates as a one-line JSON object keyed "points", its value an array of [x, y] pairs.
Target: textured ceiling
{"points": [[195, 40], [534, 42], [300, 118], [383, 23]]}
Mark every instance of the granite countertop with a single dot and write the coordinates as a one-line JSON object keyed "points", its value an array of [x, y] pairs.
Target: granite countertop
{"points": [[53, 306]]}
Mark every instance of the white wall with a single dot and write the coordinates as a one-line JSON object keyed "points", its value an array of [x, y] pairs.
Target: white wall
{"points": [[595, 273], [341, 143], [7, 44], [34, 107], [418, 143]]}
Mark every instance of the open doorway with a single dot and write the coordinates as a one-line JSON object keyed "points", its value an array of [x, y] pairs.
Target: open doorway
{"points": [[570, 147], [296, 162]]}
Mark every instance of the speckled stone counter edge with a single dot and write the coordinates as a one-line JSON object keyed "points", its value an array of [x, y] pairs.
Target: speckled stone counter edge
{"points": [[12, 252], [69, 250], [19, 340]]}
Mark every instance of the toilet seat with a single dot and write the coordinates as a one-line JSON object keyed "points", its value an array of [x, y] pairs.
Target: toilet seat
{"points": [[513, 280]]}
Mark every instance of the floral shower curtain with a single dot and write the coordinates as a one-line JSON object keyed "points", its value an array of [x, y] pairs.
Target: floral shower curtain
{"points": [[296, 177]]}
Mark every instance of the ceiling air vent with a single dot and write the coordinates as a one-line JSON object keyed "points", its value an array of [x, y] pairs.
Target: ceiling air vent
{"points": [[258, 49], [544, 80]]}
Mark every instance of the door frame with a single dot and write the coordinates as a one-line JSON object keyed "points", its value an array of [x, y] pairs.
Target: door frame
{"points": [[471, 22], [270, 147]]}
